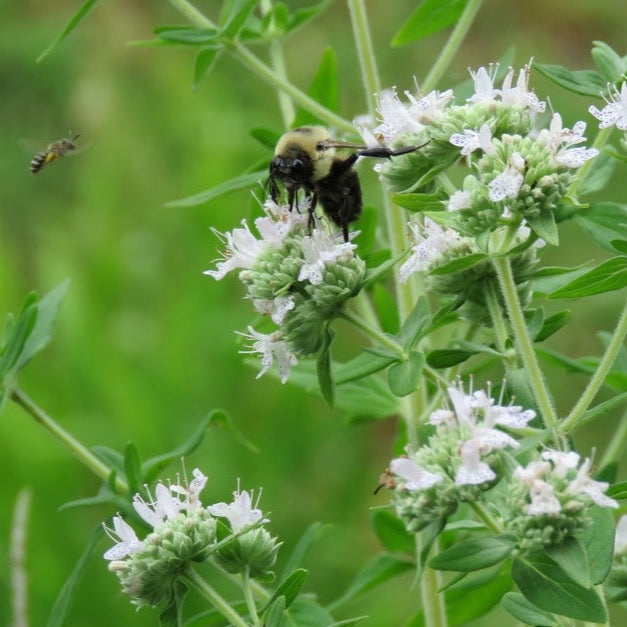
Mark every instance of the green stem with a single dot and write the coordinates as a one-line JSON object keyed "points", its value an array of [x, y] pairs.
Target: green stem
{"points": [[250, 600], [288, 111], [572, 421], [83, 454], [614, 451], [496, 316], [430, 584], [266, 73], [490, 523], [365, 52], [194, 580], [452, 45], [374, 334], [523, 341]]}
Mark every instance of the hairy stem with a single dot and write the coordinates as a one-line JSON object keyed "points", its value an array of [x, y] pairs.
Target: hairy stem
{"points": [[250, 600]]}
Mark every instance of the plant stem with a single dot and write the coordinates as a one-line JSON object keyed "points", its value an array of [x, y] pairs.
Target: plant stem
{"points": [[496, 316], [83, 454], [525, 345], [365, 52], [430, 583], [614, 450], [288, 111], [374, 334], [611, 352], [266, 73], [191, 577], [250, 600], [490, 523], [451, 46]]}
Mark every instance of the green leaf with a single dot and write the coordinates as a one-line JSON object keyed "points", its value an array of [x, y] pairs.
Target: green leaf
{"points": [[548, 587], [474, 553], [17, 334], [403, 376], [603, 222], [73, 22], [602, 408], [275, 613], [620, 245], [239, 182], [429, 536], [618, 491], [543, 225], [171, 614], [598, 543], [571, 557], [306, 543], [460, 264], [41, 335], [391, 532], [420, 202], [608, 276], [611, 65], [598, 174], [302, 16], [386, 309], [583, 82], [374, 274], [189, 36], [133, 468], [58, 613], [431, 16], [289, 588], [378, 570], [239, 15], [324, 89], [265, 136], [205, 60], [361, 366], [415, 324], [323, 368], [552, 324], [309, 613], [550, 278], [447, 357], [523, 610]]}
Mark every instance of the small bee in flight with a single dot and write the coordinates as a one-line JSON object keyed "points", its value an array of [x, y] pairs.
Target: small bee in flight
{"points": [[54, 151], [305, 159]]}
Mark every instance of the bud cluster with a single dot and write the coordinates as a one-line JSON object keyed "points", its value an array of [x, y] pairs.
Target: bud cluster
{"points": [[299, 278]]}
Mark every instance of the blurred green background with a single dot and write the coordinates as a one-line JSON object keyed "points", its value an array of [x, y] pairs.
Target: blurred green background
{"points": [[145, 345]]}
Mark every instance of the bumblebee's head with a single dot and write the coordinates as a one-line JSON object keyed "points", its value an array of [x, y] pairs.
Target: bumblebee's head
{"points": [[298, 159]]}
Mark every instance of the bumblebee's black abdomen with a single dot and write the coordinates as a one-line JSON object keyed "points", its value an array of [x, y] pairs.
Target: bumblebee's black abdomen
{"points": [[37, 162], [339, 193]]}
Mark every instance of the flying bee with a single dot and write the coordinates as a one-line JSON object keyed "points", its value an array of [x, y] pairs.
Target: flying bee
{"points": [[54, 151], [306, 158]]}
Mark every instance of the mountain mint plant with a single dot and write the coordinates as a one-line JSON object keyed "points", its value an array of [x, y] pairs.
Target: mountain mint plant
{"points": [[447, 284]]}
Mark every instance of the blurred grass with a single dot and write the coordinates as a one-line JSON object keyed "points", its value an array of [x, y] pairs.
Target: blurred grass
{"points": [[145, 342]]}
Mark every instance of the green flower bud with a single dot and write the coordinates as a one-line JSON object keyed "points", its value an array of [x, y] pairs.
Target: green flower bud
{"points": [[254, 551]]}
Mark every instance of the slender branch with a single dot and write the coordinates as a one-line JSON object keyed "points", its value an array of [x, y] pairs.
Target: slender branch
{"points": [[490, 523], [250, 600], [451, 46], [525, 345], [49, 424], [374, 334], [433, 604], [615, 449], [573, 419], [17, 558], [194, 15], [193, 579]]}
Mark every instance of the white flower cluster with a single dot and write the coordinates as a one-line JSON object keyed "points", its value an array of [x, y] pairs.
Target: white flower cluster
{"points": [[171, 501], [614, 113]]}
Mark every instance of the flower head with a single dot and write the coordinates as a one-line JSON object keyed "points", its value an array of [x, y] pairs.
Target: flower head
{"points": [[614, 113], [319, 249], [240, 513], [271, 347]]}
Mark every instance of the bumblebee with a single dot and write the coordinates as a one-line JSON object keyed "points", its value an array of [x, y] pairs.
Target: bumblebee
{"points": [[54, 151], [306, 158]]}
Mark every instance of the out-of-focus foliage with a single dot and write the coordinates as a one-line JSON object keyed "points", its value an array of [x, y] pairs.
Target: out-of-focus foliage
{"points": [[145, 344]]}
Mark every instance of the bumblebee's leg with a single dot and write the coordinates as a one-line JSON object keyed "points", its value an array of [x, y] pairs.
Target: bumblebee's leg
{"points": [[313, 201], [273, 189], [291, 198], [345, 231], [386, 153]]}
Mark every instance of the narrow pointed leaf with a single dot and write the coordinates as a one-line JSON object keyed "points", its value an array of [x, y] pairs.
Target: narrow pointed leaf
{"points": [[306, 543], [275, 613], [603, 222], [414, 325], [431, 16], [611, 65], [361, 366], [606, 277], [525, 611], [133, 468], [323, 368], [447, 357], [237, 19], [459, 264], [391, 532], [302, 16], [289, 588], [552, 324], [598, 543], [583, 82], [544, 226], [474, 554], [205, 60], [72, 23]]}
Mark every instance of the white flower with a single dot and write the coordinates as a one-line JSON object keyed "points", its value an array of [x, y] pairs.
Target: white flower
{"points": [[473, 140], [443, 417], [507, 184], [472, 470], [532, 471], [364, 125], [614, 113], [242, 250], [414, 476], [396, 118], [276, 308], [519, 95], [240, 512], [270, 347], [460, 199], [620, 540], [559, 140], [594, 490], [319, 249], [511, 416], [164, 507], [562, 461], [126, 540], [543, 500], [191, 501], [432, 241], [485, 93], [279, 221], [430, 108]]}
